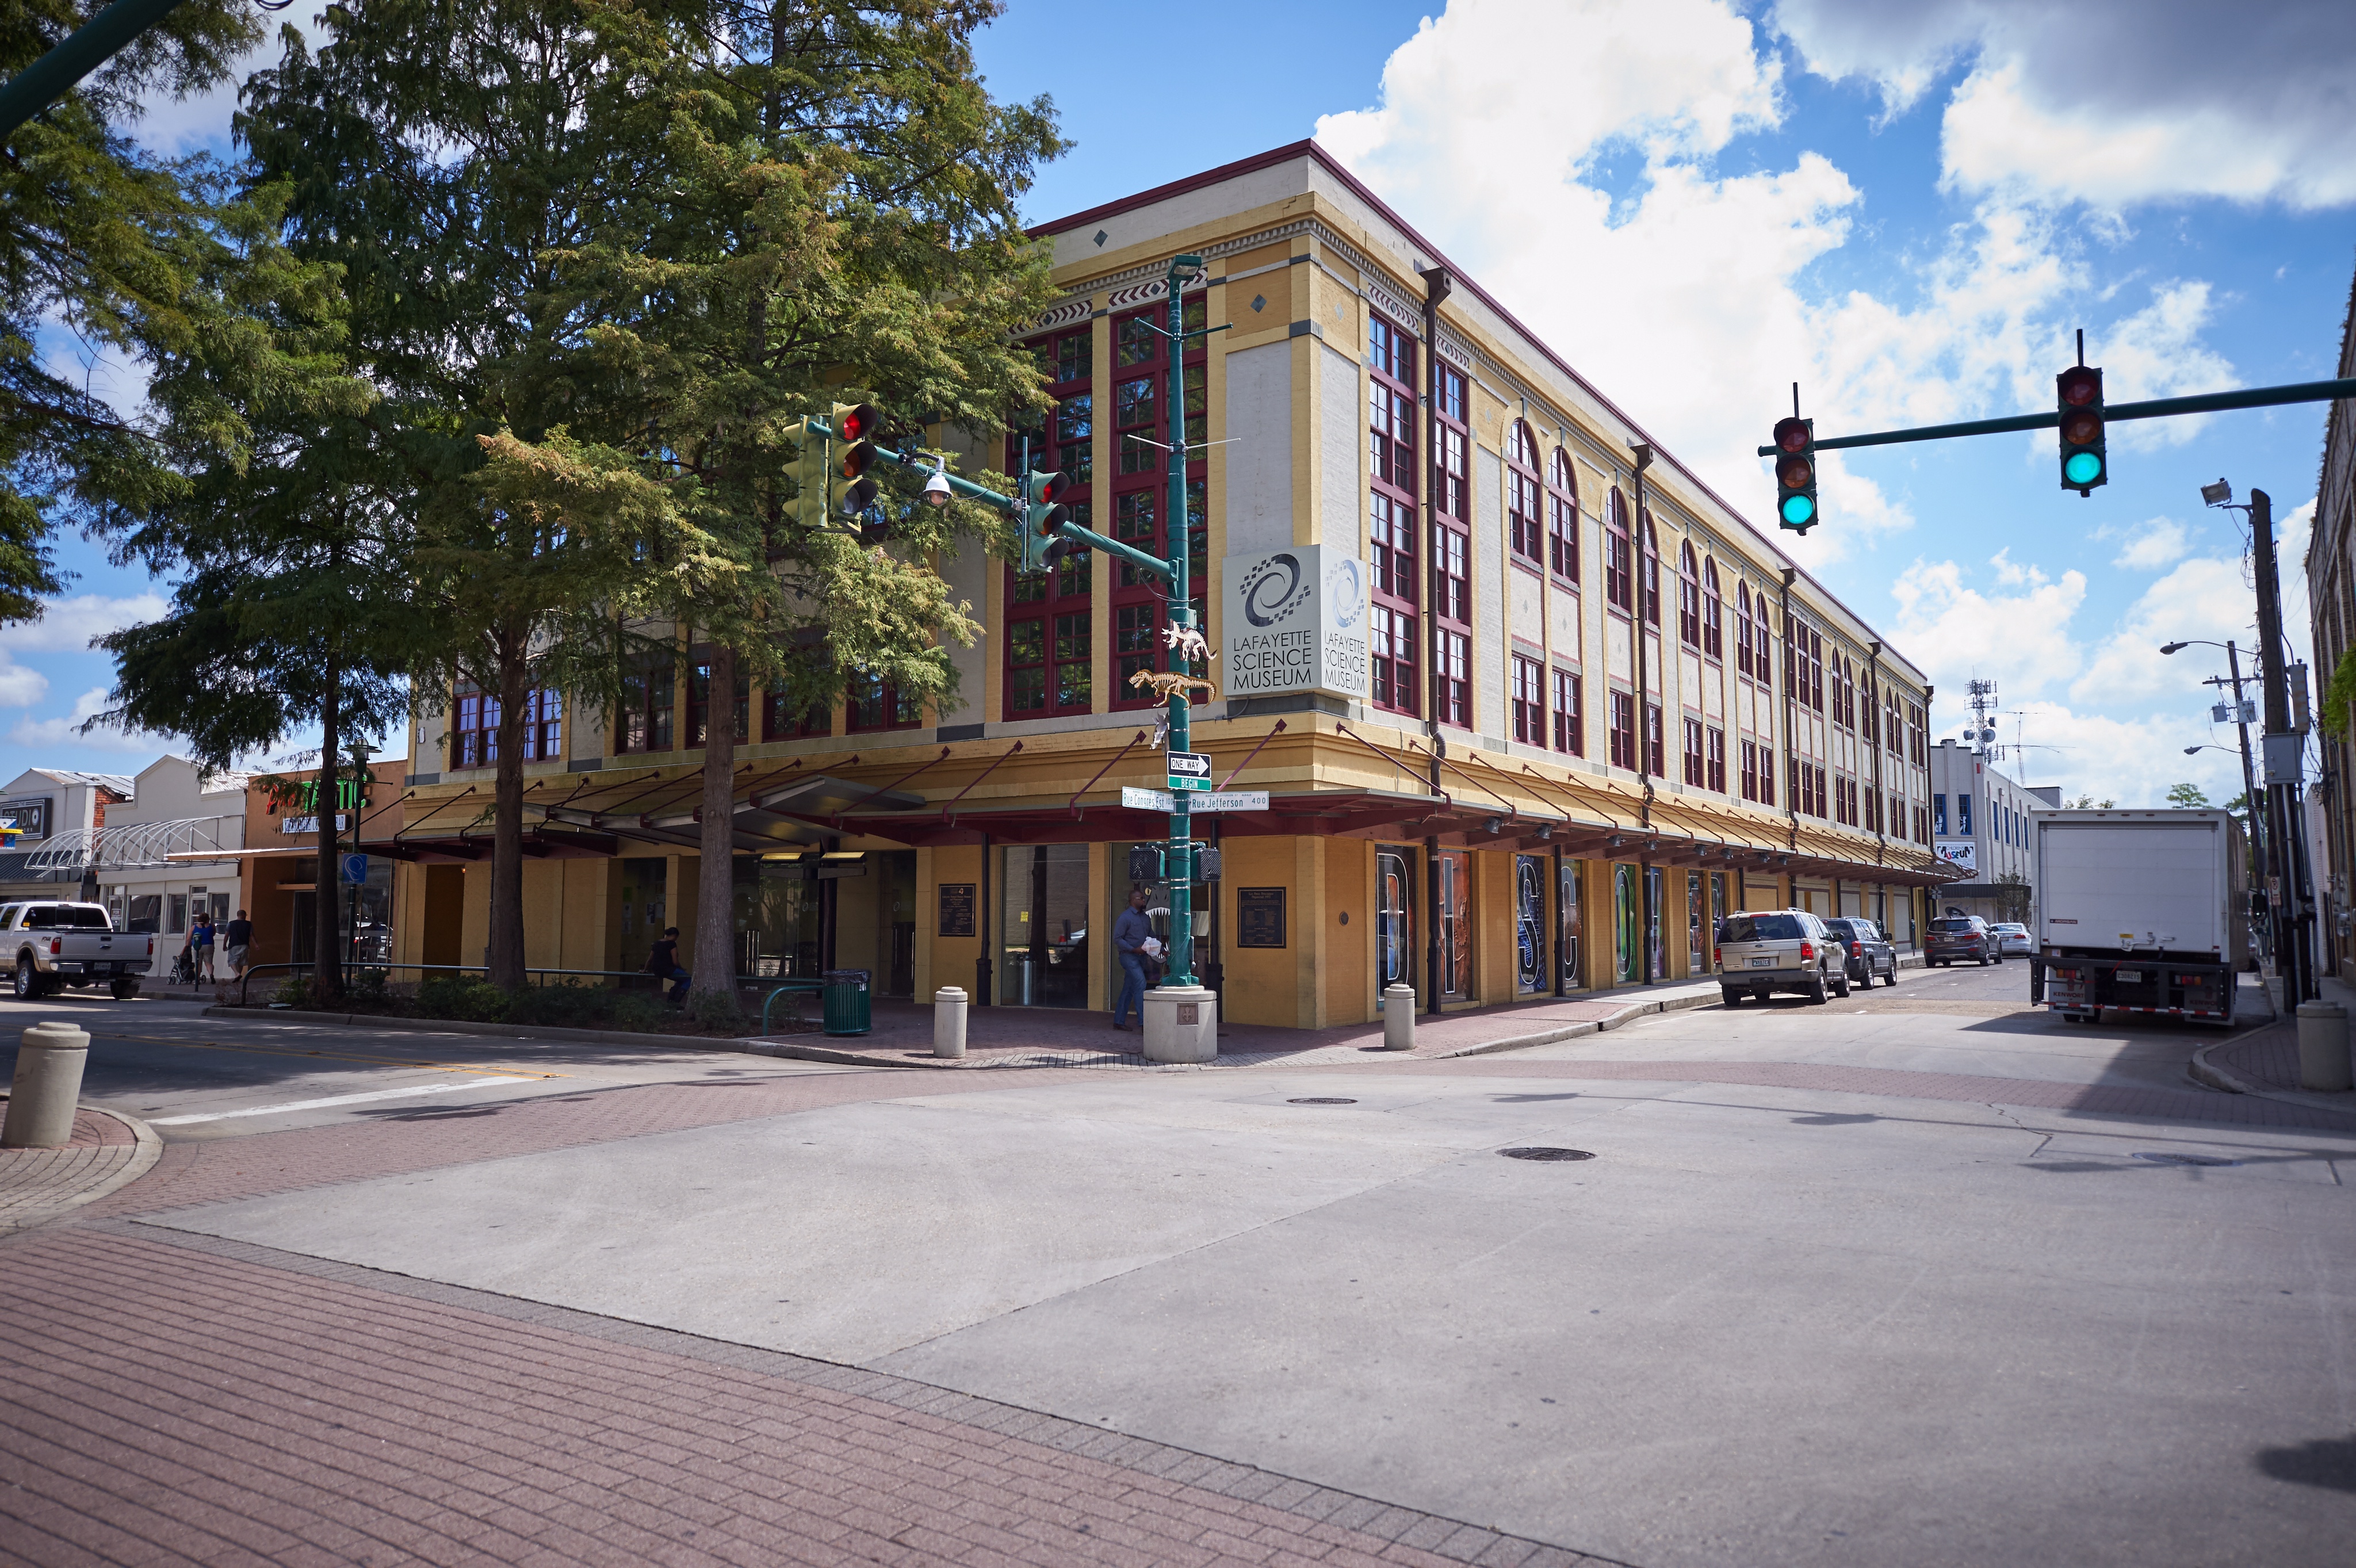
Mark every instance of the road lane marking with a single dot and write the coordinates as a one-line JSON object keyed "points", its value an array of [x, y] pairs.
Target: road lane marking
{"points": [[329, 1056], [332, 1100]]}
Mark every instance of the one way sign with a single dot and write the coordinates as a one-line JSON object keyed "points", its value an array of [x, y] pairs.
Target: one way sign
{"points": [[1189, 770]]}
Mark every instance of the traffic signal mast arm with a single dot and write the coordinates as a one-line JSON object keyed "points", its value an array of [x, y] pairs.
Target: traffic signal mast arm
{"points": [[2156, 408], [1012, 506]]}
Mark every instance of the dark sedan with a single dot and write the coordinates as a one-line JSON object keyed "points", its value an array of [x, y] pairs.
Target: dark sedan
{"points": [[1865, 949], [1961, 937]]}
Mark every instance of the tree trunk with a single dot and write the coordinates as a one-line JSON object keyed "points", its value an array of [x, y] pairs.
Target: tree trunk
{"points": [[506, 965], [714, 964], [326, 934]]}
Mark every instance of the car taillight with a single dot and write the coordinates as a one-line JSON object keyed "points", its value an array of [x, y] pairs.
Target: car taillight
{"points": [[1856, 949], [151, 947], [1808, 949], [57, 945], [1716, 961]]}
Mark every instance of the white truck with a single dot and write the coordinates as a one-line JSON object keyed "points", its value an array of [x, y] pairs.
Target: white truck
{"points": [[51, 944], [2140, 912]]}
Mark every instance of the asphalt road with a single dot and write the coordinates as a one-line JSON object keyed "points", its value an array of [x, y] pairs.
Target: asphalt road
{"points": [[1866, 1283]]}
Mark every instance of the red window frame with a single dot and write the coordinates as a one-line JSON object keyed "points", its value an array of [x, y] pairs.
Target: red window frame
{"points": [[1525, 508], [1570, 714], [1452, 681], [1529, 701], [876, 704], [1391, 614], [1624, 730], [1713, 613], [699, 703], [1392, 633], [1619, 567], [1657, 755], [474, 726], [1689, 599], [1650, 544], [1562, 519], [780, 721], [1450, 495], [1745, 631], [1695, 762], [1749, 776], [1038, 680], [643, 716], [1716, 758], [1390, 403], [1141, 493]]}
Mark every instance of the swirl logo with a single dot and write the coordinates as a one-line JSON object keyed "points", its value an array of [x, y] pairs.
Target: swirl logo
{"points": [[1345, 592], [1273, 590]]}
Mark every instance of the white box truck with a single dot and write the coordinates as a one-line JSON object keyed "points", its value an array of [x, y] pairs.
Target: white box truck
{"points": [[2140, 912]]}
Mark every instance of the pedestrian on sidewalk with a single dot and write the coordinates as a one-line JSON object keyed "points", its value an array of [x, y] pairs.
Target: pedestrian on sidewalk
{"points": [[663, 961], [201, 938], [1130, 935], [237, 937]]}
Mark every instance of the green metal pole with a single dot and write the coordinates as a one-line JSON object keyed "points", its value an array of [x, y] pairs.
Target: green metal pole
{"points": [[1182, 613], [54, 75]]}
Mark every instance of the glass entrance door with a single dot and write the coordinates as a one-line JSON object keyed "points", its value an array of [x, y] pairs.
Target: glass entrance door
{"points": [[1530, 964], [1697, 926], [1394, 919], [1626, 926], [1456, 924], [1566, 917]]}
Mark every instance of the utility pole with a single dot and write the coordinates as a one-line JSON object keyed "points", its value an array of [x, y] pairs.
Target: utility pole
{"points": [[2286, 895], [2249, 774]]}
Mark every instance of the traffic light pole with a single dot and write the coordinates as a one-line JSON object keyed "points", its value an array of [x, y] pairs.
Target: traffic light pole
{"points": [[2288, 897], [2156, 408]]}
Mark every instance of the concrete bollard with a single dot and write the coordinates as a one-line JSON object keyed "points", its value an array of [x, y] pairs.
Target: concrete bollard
{"points": [[1182, 1024], [1399, 1017], [2323, 1062], [949, 1021], [49, 1059]]}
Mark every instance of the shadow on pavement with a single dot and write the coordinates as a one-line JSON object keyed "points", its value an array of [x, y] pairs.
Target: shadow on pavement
{"points": [[2327, 1462]]}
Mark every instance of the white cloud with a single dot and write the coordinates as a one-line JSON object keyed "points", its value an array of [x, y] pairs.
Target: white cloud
{"points": [[1594, 181], [2151, 545], [1956, 632], [2130, 760], [66, 731], [20, 687], [2203, 600], [65, 626], [2112, 103]]}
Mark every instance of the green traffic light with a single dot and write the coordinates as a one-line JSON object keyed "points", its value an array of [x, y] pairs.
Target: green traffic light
{"points": [[1798, 510], [2083, 468]]}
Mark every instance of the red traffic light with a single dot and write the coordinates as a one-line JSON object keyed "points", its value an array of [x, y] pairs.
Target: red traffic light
{"points": [[861, 424], [2080, 386], [1793, 435]]}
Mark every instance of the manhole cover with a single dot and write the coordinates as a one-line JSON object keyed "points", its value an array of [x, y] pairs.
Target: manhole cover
{"points": [[1545, 1154], [1321, 1099], [2188, 1159]]}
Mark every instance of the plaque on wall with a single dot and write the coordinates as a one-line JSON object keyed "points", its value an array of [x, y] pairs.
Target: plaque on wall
{"points": [[957, 908], [1259, 916]]}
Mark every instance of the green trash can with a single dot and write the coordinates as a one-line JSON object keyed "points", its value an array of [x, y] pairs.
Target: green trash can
{"points": [[846, 1001]]}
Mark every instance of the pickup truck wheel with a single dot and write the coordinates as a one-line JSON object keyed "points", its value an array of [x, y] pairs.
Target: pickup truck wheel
{"points": [[124, 990], [29, 981]]}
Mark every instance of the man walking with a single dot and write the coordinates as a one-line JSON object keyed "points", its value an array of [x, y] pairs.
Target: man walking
{"points": [[662, 960], [236, 937], [1130, 935]]}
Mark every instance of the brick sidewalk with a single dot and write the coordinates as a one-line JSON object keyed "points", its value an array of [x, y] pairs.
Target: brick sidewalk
{"points": [[39, 1184], [196, 1400], [1052, 1036]]}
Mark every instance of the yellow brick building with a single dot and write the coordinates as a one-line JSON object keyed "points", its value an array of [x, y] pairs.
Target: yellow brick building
{"points": [[1513, 678]]}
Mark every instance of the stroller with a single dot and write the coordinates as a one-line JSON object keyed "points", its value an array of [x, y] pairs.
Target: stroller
{"points": [[184, 966]]}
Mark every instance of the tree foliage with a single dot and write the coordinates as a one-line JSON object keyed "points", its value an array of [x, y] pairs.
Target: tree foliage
{"points": [[2189, 796]]}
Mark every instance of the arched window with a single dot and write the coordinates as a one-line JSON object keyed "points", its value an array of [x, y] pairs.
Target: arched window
{"points": [[1713, 613], [1652, 547], [1746, 658], [1525, 509], [1688, 598], [1619, 570], [1562, 519]]}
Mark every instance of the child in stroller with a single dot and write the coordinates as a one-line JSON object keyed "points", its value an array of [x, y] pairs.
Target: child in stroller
{"points": [[184, 968]]}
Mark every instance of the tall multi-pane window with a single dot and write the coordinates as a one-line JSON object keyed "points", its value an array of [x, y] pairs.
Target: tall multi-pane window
{"points": [[1745, 632], [1450, 498], [643, 716], [782, 718], [1650, 543], [1141, 485], [1563, 517], [1390, 405], [1390, 531], [1695, 764], [1524, 504], [1713, 613], [1529, 702], [1455, 582], [1619, 563], [1688, 598], [1750, 770], [699, 704], [1451, 543], [1452, 683], [876, 703], [1915, 731], [1656, 760], [1393, 635], [1570, 714], [1623, 730], [474, 728], [1715, 753], [1804, 662], [1049, 652]]}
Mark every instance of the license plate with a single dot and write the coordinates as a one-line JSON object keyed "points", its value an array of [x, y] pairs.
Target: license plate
{"points": [[2128, 976], [1768, 962]]}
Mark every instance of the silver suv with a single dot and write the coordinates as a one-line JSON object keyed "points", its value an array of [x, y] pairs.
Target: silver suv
{"points": [[1781, 949]]}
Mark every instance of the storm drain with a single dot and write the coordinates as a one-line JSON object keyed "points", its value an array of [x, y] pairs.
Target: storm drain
{"points": [[2188, 1159], [1321, 1099], [1545, 1154]]}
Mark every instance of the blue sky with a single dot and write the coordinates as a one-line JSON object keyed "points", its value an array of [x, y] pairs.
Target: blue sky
{"points": [[1907, 209]]}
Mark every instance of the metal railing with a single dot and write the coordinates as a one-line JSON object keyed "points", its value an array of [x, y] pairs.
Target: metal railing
{"points": [[744, 982]]}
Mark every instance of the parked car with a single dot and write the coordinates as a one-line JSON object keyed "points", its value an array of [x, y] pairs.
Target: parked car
{"points": [[1866, 949], [1778, 950], [2012, 938], [51, 945], [1960, 937]]}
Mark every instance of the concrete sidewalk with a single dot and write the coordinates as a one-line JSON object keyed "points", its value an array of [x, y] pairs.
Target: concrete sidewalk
{"points": [[1045, 1036], [108, 1151], [2264, 1062]]}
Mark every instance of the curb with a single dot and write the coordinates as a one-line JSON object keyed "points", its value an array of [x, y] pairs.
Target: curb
{"points": [[1572, 1031], [512, 1031], [148, 1148], [2202, 1070]]}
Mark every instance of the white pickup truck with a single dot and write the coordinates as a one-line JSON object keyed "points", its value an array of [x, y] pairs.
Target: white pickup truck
{"points": [[52, 945]]}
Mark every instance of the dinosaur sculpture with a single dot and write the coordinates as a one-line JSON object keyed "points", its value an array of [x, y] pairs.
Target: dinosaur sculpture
{"points": [[1190, 643], [1166, 683]]}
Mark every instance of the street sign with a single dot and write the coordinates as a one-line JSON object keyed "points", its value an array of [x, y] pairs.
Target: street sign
{"points": [[1189, 770], [356, 869], [1215, 800], [1147, 800]]}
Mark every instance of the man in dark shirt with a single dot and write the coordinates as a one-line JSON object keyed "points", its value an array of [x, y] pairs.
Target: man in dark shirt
{"points": [[1129, 934], [236, 937], [663, 959]]}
